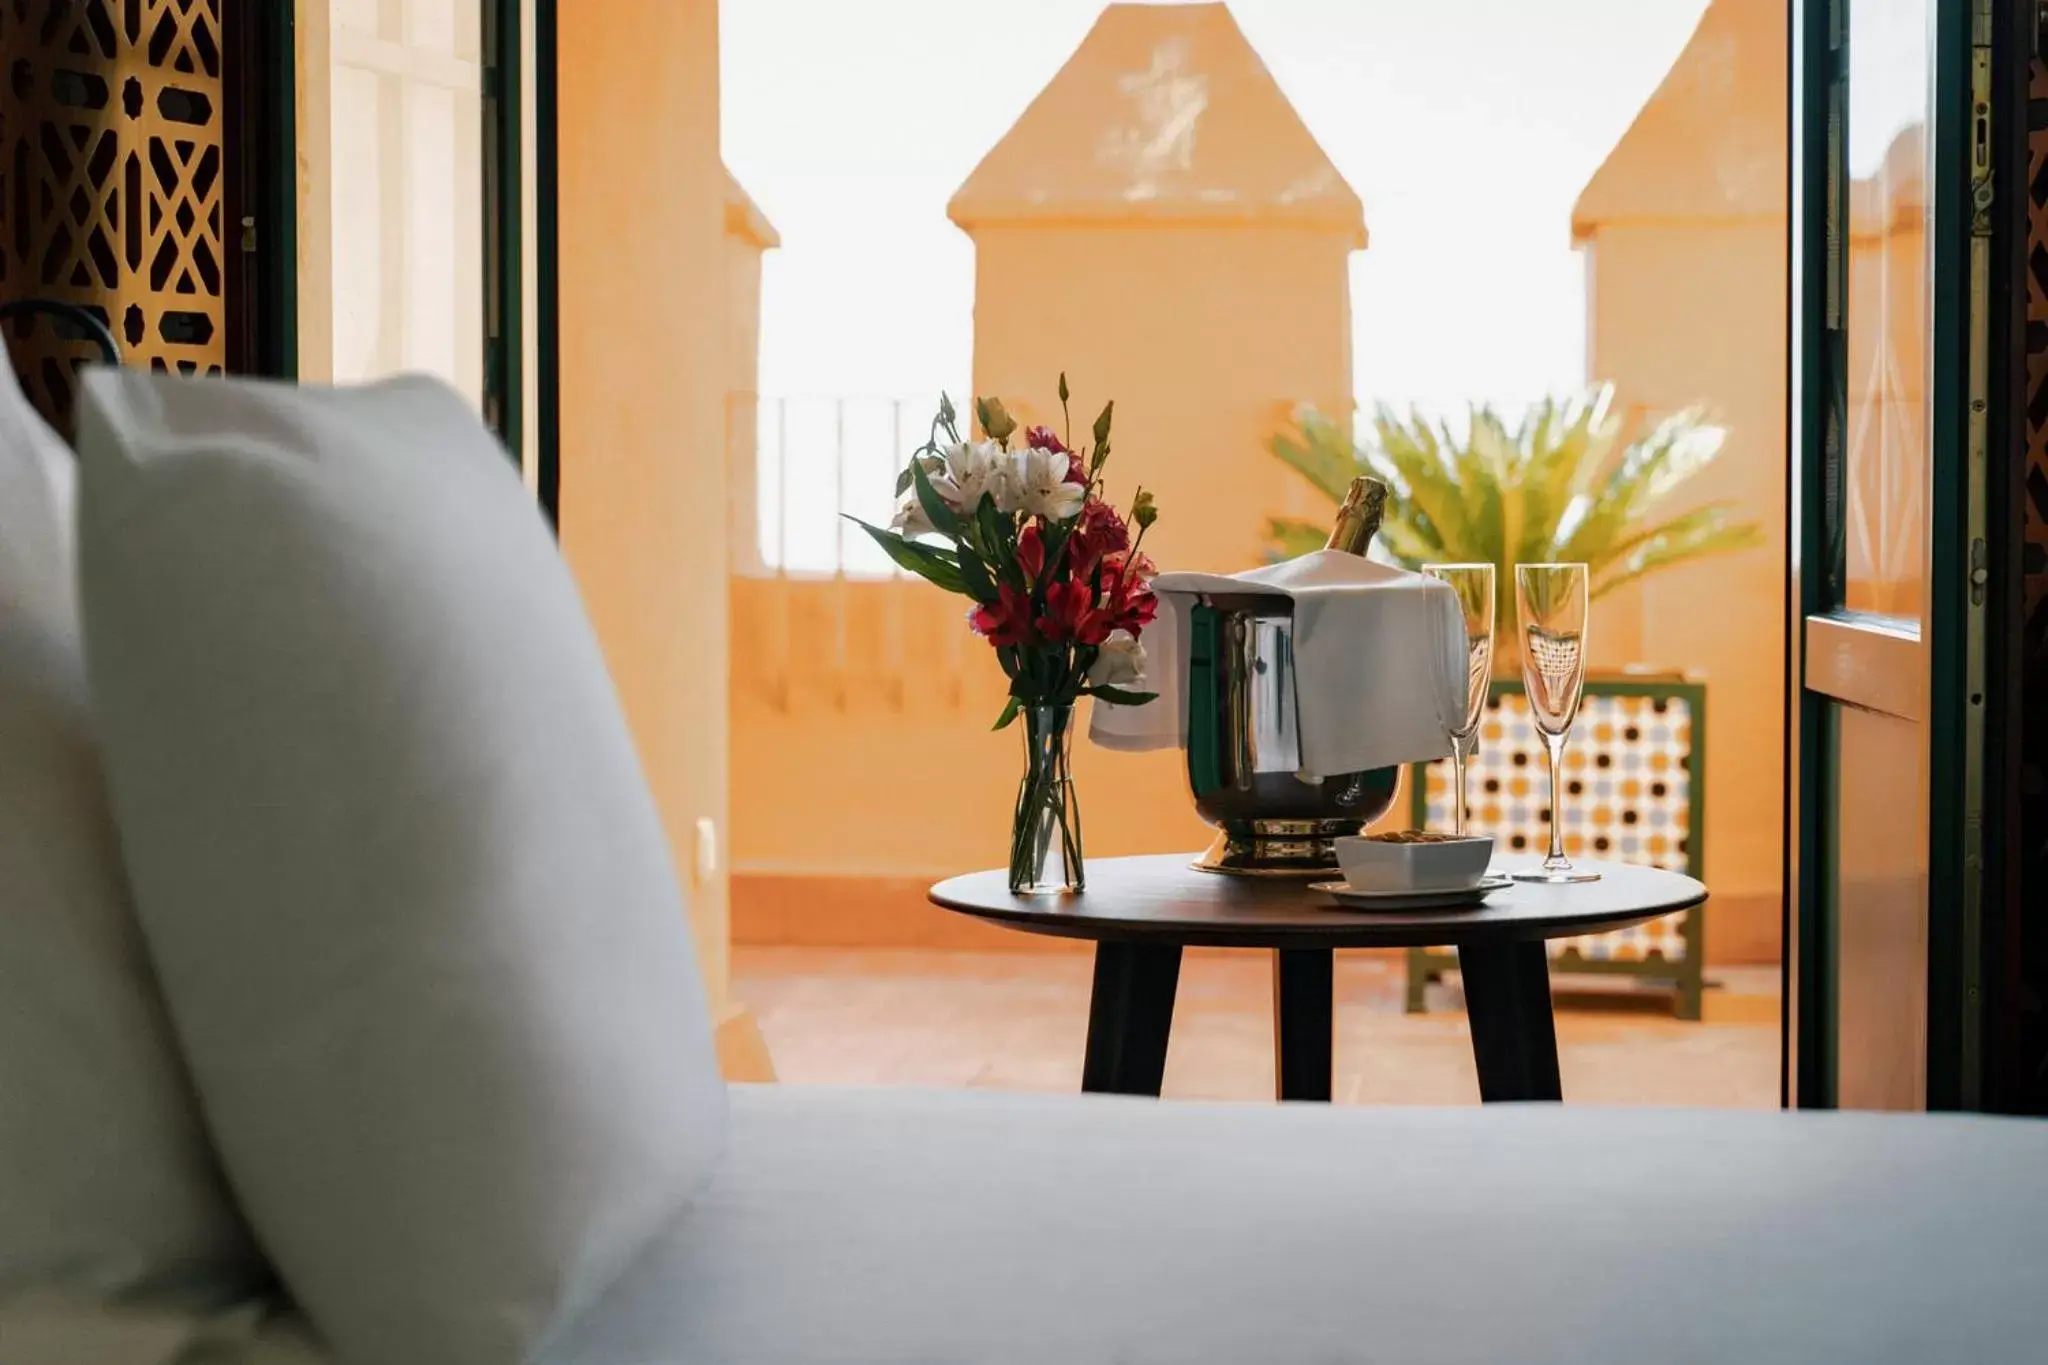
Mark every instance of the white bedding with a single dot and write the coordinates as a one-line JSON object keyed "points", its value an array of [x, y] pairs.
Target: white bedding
{"points": [[970, 1228]]}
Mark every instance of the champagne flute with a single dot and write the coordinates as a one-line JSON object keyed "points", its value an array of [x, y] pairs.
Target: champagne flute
{"points": [[1551, 600], [1474, 585]]}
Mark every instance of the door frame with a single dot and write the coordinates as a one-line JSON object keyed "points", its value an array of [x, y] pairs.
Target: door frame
{"points": [[259, 198], [1958, 410], [1953, 651], [260, 114]]}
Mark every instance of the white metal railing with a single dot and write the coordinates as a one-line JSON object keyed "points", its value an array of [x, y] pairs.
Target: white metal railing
{"points": [[798, 463]]}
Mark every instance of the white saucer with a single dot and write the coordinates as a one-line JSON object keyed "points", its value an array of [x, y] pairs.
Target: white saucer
{"points": [[1447, 898]]}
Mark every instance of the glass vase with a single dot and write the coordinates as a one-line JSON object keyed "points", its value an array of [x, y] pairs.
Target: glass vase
{"points": [[1045, 835]]}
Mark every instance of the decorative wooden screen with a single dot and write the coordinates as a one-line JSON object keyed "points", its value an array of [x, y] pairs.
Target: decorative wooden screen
{"points": [[2034, 682], [111, 180]]}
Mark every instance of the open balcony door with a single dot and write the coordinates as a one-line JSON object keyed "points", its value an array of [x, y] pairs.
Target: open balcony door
{"points": [[1888, 563]]}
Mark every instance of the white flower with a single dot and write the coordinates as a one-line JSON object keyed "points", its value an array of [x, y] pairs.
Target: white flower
{"points": [[1121, 662], [973, 468], [910, 521], [1039, 483]]}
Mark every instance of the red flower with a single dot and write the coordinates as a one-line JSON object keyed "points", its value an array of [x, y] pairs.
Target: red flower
{"points": [[1005, 621], [1031, 553], [1127, 599], [1099, 533], [1042, 438], [1137, 609], [1141, 569], [1070, 614]]}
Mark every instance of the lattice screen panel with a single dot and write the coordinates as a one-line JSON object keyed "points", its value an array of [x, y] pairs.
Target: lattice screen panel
{"points": [[1629, 793], [111, 179], [2034, 682]]}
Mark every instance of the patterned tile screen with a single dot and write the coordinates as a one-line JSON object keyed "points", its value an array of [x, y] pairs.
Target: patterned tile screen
{"points": [[1628, 796]]}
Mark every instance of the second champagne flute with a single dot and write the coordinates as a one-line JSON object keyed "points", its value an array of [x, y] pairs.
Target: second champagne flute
{"points": [[1551, 605], [1474, 584]]}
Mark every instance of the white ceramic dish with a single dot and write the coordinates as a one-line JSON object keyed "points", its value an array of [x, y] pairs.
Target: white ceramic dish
{"points": [[1450, 898], [1439, 865]]}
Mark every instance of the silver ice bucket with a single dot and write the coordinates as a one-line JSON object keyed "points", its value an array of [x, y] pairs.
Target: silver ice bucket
{"points": [[1244, 747]]}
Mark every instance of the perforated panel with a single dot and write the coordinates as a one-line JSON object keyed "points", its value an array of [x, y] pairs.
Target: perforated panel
{"points": [[1629, 785], [111, 179]]}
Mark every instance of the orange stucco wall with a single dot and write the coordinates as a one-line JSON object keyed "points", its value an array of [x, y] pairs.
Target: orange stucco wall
{"points": [[643, 347], [1688, 313]]}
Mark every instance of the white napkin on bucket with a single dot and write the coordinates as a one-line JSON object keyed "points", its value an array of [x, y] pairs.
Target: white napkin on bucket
{"points": [[1379, 657]]}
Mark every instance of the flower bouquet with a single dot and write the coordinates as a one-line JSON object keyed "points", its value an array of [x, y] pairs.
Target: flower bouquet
{"points": [[1060, 586]]}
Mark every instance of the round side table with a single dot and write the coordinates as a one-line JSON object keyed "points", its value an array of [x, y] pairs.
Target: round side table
{"points": [[1141, 912]]}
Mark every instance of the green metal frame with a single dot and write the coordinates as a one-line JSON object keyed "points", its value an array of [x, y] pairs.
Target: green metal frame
{"points": [[1954, 928], [261, 94], [1687, 977], [1816, 384], [504, 223], [1818, 388], [547, 436]]}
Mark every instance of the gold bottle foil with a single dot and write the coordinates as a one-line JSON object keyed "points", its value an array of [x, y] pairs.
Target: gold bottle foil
{"points": [[1358, 520]]}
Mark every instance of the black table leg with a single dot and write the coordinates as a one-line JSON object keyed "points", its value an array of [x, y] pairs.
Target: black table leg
{"points": [[1514, 1037], [1129, 1016], [1303, 1026]]}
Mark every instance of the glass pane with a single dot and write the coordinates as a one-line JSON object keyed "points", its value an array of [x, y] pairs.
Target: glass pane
{"points": [[391, 276], [1887, 448]]}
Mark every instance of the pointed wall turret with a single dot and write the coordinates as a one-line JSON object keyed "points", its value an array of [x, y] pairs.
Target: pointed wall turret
{"points": [[1161, 225]]}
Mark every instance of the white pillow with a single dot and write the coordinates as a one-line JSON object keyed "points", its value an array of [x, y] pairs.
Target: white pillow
{"points": [[406, 888], [107, 1184]]}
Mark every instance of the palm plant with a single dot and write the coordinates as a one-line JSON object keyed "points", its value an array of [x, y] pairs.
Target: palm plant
{"points": [[1555, 487]]}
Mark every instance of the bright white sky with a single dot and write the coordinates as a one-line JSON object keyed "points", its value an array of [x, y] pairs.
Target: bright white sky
{"points": [[1468, 127]]}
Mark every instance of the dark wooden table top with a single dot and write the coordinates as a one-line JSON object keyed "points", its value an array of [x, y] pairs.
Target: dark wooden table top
{"points": [[1162, 898]]}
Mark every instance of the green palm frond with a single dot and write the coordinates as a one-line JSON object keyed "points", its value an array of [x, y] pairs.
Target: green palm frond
{"points": [[1289, 537], [1552, 483], [1697, 534], [1320, 452]]}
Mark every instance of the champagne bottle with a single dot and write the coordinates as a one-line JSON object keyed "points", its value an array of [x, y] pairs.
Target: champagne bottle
{"points": [[1358, 520]]}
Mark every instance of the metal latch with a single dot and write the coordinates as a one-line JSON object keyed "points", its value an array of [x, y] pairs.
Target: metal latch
{"points": [[1980, 573]]}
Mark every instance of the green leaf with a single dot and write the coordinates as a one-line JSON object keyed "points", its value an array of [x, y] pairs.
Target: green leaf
{"points": [[975, 576], [944, 519], [1120, 696], [997, 541], [1010, 710], [926, 561]]}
